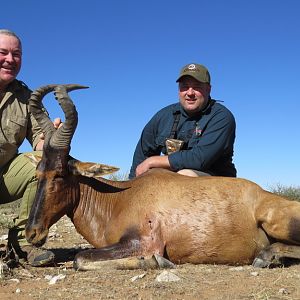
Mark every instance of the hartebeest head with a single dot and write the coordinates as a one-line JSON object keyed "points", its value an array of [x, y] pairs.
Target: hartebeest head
{"points": [[56, 170]]}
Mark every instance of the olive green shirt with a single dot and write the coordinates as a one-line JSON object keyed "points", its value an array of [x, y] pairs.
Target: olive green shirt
{"points": [[16, 121]]}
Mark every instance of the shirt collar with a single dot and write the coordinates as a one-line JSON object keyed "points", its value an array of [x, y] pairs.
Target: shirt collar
{"points": [[14, 86]]}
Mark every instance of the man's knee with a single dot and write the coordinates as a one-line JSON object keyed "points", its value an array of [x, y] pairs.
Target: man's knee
{"points": [[23, 166], [19, 176]]}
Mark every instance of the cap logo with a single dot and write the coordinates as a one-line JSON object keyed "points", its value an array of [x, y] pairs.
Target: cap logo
{"points": [[191, 67]]}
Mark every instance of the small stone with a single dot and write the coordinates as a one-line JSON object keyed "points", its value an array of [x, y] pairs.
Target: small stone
{"points": [[167, 276], [283, 291], [236, 269], [56, 278], [134, 278], [4, 237]]}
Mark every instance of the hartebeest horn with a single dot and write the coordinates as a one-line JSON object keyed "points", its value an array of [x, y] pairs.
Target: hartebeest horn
{"points": [[60, 138]]}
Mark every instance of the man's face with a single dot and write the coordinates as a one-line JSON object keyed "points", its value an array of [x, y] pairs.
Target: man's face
{"points": [[10, 59], [193, 94]]}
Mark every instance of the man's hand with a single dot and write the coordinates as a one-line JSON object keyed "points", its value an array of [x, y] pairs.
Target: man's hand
{"points": [[56, 123], [152, 162]]}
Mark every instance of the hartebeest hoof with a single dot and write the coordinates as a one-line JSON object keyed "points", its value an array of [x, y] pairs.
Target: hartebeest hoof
{"points": [[275, 255], [162, 262], [129, 263], [260, 263]]}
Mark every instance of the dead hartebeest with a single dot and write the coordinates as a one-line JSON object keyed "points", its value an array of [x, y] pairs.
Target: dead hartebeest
{"points": [[160, 214]]}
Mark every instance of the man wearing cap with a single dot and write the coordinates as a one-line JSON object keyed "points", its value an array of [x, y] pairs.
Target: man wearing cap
{"points": [[196, 135]]}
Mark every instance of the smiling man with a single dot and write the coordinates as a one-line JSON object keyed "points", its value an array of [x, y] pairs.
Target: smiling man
{"points": [[10, 59], [196, 135], [17, 174]]}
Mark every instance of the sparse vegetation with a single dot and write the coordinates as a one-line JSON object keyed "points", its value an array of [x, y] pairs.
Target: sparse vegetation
{"points": [[290, 192], [119, 176], [7, 213]]}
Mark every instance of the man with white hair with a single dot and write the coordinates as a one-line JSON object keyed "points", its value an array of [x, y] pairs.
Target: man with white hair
{"points": [[17, 174]]}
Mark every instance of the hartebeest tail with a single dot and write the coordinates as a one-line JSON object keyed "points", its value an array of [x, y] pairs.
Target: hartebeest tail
{"points": [[161, 213]]}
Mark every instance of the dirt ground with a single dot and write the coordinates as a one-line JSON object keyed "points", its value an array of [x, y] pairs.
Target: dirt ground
{"points": [[189, 282]]}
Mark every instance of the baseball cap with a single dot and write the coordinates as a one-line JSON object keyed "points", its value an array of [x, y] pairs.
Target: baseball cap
{"points": [[199, 72]]}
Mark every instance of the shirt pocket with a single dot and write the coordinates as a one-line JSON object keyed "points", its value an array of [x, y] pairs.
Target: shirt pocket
{"points": [[16, 129]]}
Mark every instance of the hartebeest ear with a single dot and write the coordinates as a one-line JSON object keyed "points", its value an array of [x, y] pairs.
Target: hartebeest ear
{"points": [[89, 169], [34, 158]]}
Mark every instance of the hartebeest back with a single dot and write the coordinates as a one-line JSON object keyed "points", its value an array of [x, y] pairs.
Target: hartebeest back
{"points": [[183, 219]]}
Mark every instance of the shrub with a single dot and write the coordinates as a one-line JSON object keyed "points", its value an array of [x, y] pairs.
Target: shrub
{"points": [[118, 177], [290, 192]]}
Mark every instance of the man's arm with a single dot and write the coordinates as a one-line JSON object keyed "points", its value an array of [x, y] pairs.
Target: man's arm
{"points": [[153, 162]]}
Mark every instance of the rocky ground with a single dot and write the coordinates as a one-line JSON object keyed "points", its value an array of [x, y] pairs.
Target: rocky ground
{"points": [[184, 282]]}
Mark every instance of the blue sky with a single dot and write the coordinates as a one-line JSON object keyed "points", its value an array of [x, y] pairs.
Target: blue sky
{"points": [[130, 52]]}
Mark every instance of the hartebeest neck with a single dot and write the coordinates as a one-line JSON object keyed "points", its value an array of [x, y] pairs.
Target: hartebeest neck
{"points": [[97, 202]]}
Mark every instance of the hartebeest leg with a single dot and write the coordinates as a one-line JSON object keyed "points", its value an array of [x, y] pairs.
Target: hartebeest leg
{"points": [[275, 253], [279, 218], [128, 263], [122, 255]]}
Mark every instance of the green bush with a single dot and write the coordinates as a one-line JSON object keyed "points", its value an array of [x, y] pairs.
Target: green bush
{"points": [[290, 192]]}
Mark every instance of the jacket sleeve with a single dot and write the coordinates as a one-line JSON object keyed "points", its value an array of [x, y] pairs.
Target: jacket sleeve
{"points": [[217, 138]]}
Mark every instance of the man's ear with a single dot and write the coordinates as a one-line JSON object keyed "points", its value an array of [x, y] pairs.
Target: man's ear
{"points": [[209, 89], [33, 158], [89, 169]]}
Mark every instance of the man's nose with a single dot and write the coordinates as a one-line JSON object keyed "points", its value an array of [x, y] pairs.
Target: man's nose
{"points": [[190, 91], [9, 57]]}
